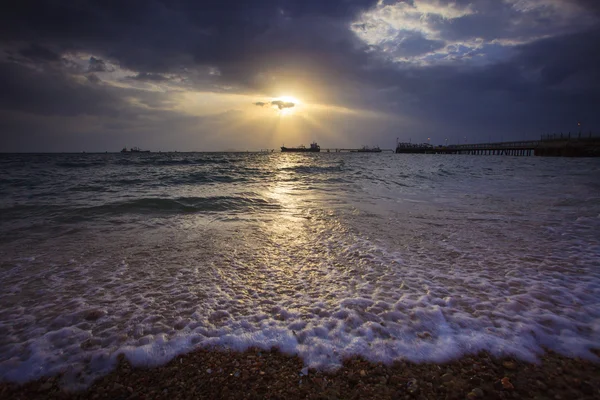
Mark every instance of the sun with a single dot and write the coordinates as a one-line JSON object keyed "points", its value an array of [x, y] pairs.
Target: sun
{"points": [[286, 105], [289, 99]]}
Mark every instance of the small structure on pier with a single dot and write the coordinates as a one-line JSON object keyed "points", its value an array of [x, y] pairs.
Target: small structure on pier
{"points": [[415, 148]]}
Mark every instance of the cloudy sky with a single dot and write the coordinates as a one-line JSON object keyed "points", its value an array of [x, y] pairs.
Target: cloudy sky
{"points": [[237, 74]]}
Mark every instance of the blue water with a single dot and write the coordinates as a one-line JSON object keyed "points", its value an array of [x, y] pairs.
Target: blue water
{"points": [[419, 257]]}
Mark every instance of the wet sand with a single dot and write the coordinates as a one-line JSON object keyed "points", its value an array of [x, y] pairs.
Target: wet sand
{"points": [[255, 374]]}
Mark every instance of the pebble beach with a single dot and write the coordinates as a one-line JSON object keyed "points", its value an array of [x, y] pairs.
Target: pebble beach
{"points": [[375, 276], [255, 374]]}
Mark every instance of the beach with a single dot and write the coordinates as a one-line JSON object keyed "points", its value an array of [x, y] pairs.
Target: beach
{"points": [[219, 374], [183, 263]]}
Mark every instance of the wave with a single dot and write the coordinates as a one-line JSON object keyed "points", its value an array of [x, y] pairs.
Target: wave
{"points": [[313, 169], [181, 205], [84, 164], [175, 162], [231, 204], [90, 188], [27, 211], [205, 177]]}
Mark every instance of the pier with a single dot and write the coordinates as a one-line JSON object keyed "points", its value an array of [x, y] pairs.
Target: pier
{"points": [[353, 151], [568, 145]]}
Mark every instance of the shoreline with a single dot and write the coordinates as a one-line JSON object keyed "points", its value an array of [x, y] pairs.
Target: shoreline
{"points": [[257, 374]]}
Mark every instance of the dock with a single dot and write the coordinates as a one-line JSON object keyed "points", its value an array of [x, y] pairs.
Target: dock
{"points": [[339, 150], [554, 145]]}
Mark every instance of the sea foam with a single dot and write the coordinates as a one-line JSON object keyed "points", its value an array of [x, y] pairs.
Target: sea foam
{"points": [[329, 295], [429, 270]]}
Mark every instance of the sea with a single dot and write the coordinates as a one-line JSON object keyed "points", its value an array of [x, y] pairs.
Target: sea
{"points": [[423, 258]]}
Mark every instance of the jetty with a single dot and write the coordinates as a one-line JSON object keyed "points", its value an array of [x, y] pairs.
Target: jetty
{"points": [[552, 145], [359, 150]]}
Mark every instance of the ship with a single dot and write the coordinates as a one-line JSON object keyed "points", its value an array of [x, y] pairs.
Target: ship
{"points": [[134, 150], [366, 149], [314, 148]]}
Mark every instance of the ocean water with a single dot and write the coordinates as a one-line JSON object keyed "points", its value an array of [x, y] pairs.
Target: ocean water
{"points": [[415, 257]]}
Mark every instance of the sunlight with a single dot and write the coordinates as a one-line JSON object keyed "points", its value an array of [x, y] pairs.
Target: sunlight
{"points": [[286, 105], [289, 99], [286, 111]]}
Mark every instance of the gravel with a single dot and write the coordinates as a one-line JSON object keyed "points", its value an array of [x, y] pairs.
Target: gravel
{"points": [[256, 374]]}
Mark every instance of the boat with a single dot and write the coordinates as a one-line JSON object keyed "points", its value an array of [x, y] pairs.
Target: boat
{"points": [[366, 149], [134, 150], [314, 148]]}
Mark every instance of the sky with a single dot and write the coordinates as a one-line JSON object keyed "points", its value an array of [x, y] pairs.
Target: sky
{"points": [[210, 75]]}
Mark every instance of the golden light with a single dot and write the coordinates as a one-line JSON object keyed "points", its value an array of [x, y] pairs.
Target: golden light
{"points": [[288, 99], [286, 105]]}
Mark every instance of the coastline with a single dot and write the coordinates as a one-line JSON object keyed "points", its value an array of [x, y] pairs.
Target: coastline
{"points": [[256, 374]]}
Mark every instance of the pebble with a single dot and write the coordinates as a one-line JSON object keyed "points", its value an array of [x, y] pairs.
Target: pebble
{"points": [[497, 385], [209, 371], [46, 386], [363, 373], [509, 365], [478, 392], [475, 380], [587, 388], [412, 386], [505, 383], [541, 385], [395, 380], [447, 377]]}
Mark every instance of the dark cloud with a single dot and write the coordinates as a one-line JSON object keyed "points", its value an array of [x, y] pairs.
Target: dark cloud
{"points": [[591, 5], [445, 81], [93, 78], [36, 52], [51, 93], [283, 104], [547, 86], [276, 103], [98, 65], [409, 43], [150, 77]]}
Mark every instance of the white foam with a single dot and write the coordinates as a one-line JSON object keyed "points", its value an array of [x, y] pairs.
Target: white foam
{"points": [[422, 286]]}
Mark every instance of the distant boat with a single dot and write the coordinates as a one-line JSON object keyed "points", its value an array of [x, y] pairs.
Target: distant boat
{"points": [[134, 150], [314, 148], [366, 149]]}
